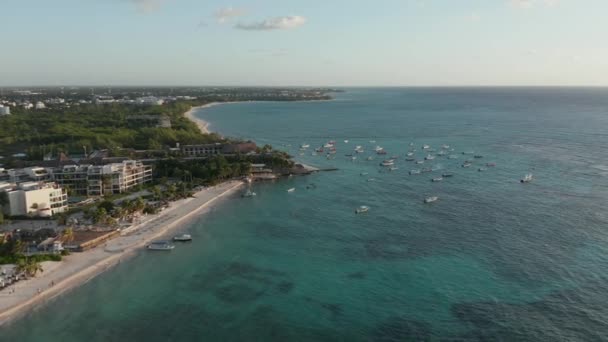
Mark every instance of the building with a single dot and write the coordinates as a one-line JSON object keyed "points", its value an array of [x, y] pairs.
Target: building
{"points": [[205, 150], [99, 180], [34, 199], [5, 110], [39, 105]]}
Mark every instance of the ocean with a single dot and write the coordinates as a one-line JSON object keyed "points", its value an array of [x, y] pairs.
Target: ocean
{"points": [[492, 259]]}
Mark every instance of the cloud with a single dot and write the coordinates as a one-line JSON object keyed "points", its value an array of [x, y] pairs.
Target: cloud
{"points": [[526, 4], [224, 14], [147, 6], [277, 23]]}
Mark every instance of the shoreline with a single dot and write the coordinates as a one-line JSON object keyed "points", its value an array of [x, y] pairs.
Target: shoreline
{"points": [[203, 125], [78, 268]]}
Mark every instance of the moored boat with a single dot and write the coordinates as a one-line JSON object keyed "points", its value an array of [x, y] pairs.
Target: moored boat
{"points": [[527, 178], [249, 193], [362, 209], [183, 238], [431, 199], [291, 189], [437, 179], [160, 246]]}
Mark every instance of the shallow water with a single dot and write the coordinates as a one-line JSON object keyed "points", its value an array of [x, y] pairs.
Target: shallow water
{"points": [[493, 259]]}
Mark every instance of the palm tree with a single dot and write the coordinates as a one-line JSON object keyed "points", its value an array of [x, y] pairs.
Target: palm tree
{"points": [[29, 266], [67, 235]]}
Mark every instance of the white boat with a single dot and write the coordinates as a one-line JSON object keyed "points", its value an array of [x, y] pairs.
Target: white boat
{"points": [[420, 162], [371, 179], [409, 154], [527, 178], [183, 238], [429, 157], [378, 148], [393, 168], [328, 145], [425, 147], [372, 141], [445, 146], [364, 173], [466, 165], [410, 159], [353, 158], [304, 146], [160, 246], [414, 172], [346, 141], [370, 158], [388, 162], [481, 169], [249, 193], [431, 199], [362, 209], [437, 179], [291, 190]]}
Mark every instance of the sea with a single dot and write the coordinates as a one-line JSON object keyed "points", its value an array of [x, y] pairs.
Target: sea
{"points": [[493, 259]]}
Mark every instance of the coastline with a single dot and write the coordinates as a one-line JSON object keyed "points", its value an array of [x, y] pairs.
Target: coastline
{"points": [[78, 268], [200, 123]]}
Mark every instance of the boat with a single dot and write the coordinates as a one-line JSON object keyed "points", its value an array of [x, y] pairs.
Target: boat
{"points": [[393, 168], [320, 149], [346, 141], [420, 162], [313, 154], [410, 159], [381, 152], [348, 155], [441, 153], [437, 179], [372, 141], [304, 146], [388, 162], [414, 172], [311, 186], [160, 246], [466, 165], [332, 142], [378, 148], [468, 152], [527, 178], [364, 173], [409, 154], [491, 164], [328, 145], [362, 209], [447, 174], [481, 169], [477, 156], [425, 147], [431, 199], [353, 158], [183, 238], [370, 158], [249, 193], [445, 146], [427, 169], [429, 157], [371, 179], [291, 190]]}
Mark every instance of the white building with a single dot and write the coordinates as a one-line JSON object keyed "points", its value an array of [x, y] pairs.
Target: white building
{"points": [[40, 105], [5, 110], [34, 199]]}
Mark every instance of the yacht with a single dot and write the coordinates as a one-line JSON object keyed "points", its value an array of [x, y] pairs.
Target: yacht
{"points": [[431, 199], [527, 178], [249, 193], [328, 145], [362, 209], [183, 238], [445, 147], [160, 246], [388, 162], [381, 152]]}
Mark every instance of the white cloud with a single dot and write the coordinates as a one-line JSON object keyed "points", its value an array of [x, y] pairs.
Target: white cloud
{"points": [[224, 14], [278, 23], [526, 4], [146, 6]]}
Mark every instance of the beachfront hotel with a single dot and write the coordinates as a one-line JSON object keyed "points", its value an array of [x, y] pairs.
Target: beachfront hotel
{"points": [[38, 199], [206, 150]]}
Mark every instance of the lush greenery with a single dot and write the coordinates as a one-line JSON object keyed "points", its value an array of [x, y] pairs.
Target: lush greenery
{"points": [[37, 132]]}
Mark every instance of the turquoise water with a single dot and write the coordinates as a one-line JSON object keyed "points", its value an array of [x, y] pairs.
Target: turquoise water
{"points": [[493, 259]]}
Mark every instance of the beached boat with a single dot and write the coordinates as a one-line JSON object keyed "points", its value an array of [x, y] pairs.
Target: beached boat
{"points": [[437, 179], [431, 199], [291, 190], [183, 238], [527, 178], [160, 246], [362, 209], [249, 193]]}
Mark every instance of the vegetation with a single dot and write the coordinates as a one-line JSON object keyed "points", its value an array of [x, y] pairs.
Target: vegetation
{"points": [[74, 129]]}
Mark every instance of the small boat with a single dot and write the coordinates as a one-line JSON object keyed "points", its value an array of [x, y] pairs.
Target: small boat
{"points": [[304, 146], [468, 152], [410, 159], [346, 141], [320, 149], [427, 169], [425, 147], [393, 168], [291, 190], [491, 164], [431, 199], [420, 162], [348, 155], [160, 246], [388, 162], [378, 148], [353, 158], [372, 141], [441, 153], [183, 238], [313, 154], [477, 156], [445, 146], [481, 169], [311, 186], [362, 209], [414, 172], [437, 179], [527, 178], [364, 173], [381, 152], [447, 174], [370, 158], [328, 145], [409, 154], [429, 157], [371, 179], [249, 193], [332, 142], [466, 165]]}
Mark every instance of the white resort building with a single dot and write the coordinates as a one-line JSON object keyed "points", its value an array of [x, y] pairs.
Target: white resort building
{"points": [[34, 199]]}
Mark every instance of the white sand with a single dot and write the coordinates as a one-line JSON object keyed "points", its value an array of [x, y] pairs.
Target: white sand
{"points": [[202, 124], [78, 268]]}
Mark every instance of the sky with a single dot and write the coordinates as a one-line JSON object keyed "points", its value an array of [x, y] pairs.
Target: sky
{"points": [[304, 42]]}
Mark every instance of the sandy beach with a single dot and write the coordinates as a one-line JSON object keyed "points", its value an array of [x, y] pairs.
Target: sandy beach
{"points": [[202, 124], [78, 268]]}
